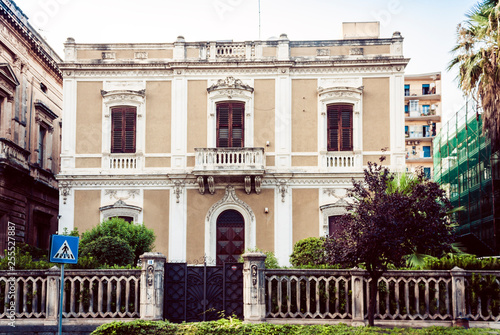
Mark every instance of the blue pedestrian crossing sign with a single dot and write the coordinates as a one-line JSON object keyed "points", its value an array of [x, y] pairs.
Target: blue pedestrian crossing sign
{"points": [[64, 249]]}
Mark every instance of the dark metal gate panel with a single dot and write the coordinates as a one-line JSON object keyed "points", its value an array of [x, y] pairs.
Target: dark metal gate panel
{"points": [[174, 307], [203, 293], [233, 289]]}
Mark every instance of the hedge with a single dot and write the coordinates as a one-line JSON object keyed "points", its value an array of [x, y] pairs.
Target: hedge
{"points": [[234, 326]]}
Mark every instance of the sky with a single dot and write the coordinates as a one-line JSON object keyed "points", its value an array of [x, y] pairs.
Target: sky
{"points": [[428, 26]]}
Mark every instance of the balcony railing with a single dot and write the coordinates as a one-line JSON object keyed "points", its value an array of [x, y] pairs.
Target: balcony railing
{"points": [[123, 161], [230, 50], [341, 160], [14, 153], [246, 160]]}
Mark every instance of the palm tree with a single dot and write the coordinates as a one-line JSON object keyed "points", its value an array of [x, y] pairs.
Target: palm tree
{"points": [[477, 58]]}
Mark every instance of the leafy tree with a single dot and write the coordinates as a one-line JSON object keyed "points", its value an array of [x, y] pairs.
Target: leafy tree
{"points": [[309, 251], [110, 250], [383, 224], [139, 237], [477, 58]]}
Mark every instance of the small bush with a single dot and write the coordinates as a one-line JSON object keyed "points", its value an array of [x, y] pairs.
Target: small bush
{"points": [[308, 252], [234, 326], [109, 250], [466, 262], [22, 261], [271, 261], [139, 237]]}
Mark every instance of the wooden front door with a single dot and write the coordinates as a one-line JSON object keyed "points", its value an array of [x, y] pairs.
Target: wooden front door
{"points": [[230, 236]]}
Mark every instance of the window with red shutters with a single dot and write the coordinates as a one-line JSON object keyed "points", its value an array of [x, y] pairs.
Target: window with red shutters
{"points": [[123, 126], [339, 119], [230, 126]]}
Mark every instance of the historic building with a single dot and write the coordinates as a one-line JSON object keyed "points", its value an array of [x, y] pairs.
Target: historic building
{"points": [[30, 129], [422, 119], [222, 146]]}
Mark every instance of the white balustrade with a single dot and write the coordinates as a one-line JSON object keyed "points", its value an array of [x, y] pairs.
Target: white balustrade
{"points": [[339, 160], [123, 162], [230, 50], [223, 159]]}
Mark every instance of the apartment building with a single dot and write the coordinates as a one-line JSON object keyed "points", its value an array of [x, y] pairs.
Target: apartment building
{"points": [[422, 119], [221, 146], [30, 130]]}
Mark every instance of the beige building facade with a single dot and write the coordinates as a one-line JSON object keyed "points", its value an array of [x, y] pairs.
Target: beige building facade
{"points": [[30, 130], [224, 146], [422, 119]]}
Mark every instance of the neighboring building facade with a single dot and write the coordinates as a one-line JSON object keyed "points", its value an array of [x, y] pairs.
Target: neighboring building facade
{"points": [[422, 119], [222, 146], [465, 166], [30, 130]]}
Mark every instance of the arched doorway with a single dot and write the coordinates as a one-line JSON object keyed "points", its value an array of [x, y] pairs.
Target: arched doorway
{"points": [[230, 236]]}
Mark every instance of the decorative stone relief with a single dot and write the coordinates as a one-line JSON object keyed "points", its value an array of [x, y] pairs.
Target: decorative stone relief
{"points": [[323, 52], [201, 184], [108, 55], [248, 184], [230, 88], [258, 184], [356, 51], [178, 186], [140, 55], [282, 189], [120, 208], [122, 194], [123, 96], [65, 190], [230, 197], [211, 184]]}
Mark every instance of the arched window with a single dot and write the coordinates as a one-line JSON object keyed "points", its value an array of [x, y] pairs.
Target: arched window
{"points": [[230, 236]]}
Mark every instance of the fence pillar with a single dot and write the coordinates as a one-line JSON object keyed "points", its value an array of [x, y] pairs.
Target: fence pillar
{"points": [[358, 297], [53, 292], [458, 292], [152, 286], [254, 284]]}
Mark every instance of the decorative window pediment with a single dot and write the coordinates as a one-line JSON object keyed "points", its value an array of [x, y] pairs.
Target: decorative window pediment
{"points": [[123, 96], [340, 94], [8, 81], [120, 209], [230, 88]]}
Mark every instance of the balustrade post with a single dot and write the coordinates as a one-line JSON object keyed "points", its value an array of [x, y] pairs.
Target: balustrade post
{"points": [[254, 284], [53, 292], [458, 292], [152, 285], [358, 298]]}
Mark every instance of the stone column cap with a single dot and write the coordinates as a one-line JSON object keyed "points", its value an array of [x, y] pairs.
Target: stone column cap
{"points": [[154, 255]]}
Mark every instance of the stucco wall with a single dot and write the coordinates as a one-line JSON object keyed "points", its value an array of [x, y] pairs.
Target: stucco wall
{"points": [[158, 116], [304, 115], [305, 213], [376, 114], [89, 117], [156, 215]]}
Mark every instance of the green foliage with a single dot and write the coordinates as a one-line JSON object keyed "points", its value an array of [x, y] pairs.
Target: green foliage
{"points": [[23, 260], [466, 262], [139, 237], [271, 261], [231, 326], [108, 250], [308, 252]]}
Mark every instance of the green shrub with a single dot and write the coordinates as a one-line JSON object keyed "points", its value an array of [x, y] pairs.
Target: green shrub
{"points": [[139, 237], [308, 252], [234, 326], [466, 262], [108, 250], [271, 261], [23, 261]]}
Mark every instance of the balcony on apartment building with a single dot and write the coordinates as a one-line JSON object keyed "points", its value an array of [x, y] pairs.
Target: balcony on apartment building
{"points": [[13, 155], [428, 92], [213, 165], [414, 112]]}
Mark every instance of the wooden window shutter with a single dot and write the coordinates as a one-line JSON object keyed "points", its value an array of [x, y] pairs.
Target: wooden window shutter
{"points": [[339, 128], [123, 137], [230, 125]]}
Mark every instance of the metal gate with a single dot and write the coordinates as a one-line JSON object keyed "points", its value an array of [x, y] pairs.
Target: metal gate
{"points": [[203, 293]]}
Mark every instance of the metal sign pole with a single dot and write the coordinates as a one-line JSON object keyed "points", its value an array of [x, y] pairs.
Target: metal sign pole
{"points": [[61, 299]]}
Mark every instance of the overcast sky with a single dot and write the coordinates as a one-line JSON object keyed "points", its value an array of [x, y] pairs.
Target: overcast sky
{"points": [[428, 26]]}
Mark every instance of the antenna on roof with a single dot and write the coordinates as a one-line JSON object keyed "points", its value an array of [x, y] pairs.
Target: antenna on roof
{"points": [[259, 19]]}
